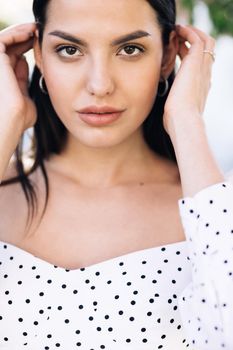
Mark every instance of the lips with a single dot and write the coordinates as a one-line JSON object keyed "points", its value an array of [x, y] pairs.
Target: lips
{"points": [[99, 110], [99, 116]]}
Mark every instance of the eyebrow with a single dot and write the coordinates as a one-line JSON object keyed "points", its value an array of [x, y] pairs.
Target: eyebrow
{"points": [[127, 37]]}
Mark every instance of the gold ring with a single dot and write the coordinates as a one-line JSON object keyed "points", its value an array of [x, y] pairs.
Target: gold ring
{"points": [[211, 53]]}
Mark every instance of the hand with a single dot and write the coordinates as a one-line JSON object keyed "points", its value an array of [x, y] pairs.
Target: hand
{"points": [[184, 108], [14, 100], [190, 89]]}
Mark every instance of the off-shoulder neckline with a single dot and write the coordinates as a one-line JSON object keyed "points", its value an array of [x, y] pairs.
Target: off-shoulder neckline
{"points": [[95, 265]]}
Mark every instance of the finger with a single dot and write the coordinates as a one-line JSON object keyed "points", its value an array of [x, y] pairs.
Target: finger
{"points": [[20, 49], [183, 50], [2, 48], [208, 52], [15, 43], [7, 76], [209, 57], [30, 27], [208, 40], [22, 72], [16, 51], [196, 42], [12, 37], [16, 34]]}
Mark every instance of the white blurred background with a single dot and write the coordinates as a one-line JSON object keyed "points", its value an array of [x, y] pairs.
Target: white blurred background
{"points": [[219, 108]]}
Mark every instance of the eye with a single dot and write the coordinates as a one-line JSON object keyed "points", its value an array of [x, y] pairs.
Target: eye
{"points": [[132, 50], [68, 51]]}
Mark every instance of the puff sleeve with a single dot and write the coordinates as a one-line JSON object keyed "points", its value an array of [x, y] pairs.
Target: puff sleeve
{"points": [[206, 304]]}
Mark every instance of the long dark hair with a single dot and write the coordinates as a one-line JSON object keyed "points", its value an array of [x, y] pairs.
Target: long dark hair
{"points": [[50, 134]]}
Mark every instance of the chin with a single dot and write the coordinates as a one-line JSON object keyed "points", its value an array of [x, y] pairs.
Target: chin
{"points": [[101, 139]]}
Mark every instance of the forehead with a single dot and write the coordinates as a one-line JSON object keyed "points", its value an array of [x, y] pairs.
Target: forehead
{"points": [[102, 14]]}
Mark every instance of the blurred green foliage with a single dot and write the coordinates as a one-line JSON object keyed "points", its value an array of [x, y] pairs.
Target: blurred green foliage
{"points": [[221, 13], [2, 25]]}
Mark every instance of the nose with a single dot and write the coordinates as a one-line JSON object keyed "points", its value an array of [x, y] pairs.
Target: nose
{"points": [[100, 78]]}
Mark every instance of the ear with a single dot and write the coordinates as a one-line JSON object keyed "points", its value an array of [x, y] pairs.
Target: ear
{"points": [[37, 52], [169, 55]]}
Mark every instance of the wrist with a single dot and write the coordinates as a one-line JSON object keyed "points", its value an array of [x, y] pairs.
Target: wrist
{"points": [[185, 124], [197, 166]]}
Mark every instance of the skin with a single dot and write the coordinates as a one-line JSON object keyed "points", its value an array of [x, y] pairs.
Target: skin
{"points": [[99, 79], [110, 195]]}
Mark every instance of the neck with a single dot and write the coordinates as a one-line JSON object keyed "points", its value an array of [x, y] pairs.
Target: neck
{"points": [[128, 162]]}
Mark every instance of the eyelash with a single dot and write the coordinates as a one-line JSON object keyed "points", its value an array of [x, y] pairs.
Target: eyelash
{"points": [[59, 49]]}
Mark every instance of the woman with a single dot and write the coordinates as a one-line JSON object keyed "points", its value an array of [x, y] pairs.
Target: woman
{"points": [[93, 254]]}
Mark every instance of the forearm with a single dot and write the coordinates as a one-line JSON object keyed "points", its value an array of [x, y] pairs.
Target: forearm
{"points": [[9, 138], [197, 166]]}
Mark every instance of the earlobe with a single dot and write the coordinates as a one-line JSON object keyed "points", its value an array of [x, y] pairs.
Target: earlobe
{"points": [[37, 52], [169, 56]]}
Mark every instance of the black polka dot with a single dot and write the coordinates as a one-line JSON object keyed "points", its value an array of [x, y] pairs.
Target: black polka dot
{"points": [[115, 292]]}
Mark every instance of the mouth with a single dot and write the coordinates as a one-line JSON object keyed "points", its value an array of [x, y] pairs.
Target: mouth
{"points": [[99, 110], [99, 116], [99, 119]]}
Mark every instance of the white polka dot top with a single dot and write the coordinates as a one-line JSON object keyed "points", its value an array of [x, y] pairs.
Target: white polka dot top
{"points": [[173, 297]]}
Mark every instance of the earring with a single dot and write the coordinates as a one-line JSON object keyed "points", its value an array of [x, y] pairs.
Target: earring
{"points": [[165, 89], [42, 85]]}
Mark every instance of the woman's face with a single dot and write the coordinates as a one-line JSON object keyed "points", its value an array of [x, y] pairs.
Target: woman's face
{"points": [[101, 53]]}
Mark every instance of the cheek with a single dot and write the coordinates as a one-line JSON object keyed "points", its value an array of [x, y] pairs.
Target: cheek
{"points": [[61, 86], [143, 85]]}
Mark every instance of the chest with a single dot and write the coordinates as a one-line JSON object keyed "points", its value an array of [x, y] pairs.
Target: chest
{"points": [[97, 225]]}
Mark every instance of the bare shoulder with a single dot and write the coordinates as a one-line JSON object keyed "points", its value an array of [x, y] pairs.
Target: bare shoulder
{"points": [[13, 208]]}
